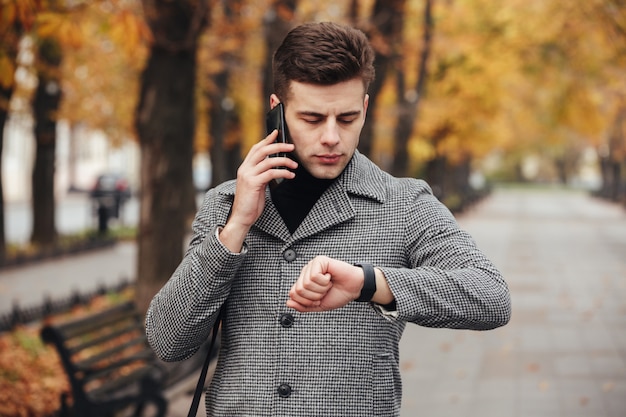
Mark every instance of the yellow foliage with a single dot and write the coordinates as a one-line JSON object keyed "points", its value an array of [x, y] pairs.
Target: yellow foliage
{"points": [[101, 75], [421, 150], [7, 71], [130, 31], [8, 14], [60, 26], [48, 24], [17, 11], [511, 76]]}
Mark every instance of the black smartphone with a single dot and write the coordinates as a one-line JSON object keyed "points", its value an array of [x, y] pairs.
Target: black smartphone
{"points": [[275, 119]]}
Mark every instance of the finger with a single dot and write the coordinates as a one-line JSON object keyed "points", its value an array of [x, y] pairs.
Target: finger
{"points": [[256, 153], [302, 308], [278, 161], [269, 146], [311, 279], [310, 292], [265, 170], [320, 280], [305, 295], [306, 292]]}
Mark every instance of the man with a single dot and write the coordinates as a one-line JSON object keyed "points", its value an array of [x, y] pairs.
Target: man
{"points": [[318, 275]]}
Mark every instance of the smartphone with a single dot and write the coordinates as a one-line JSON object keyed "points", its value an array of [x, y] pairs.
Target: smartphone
{"points": [[275, 119]]}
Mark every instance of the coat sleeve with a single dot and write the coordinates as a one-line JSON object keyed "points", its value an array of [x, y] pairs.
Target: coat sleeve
{"points": [[449, 282], [181, 315]]}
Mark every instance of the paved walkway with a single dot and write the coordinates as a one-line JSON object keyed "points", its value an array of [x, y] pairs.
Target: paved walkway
{"points": [[58, 278], [563, 354]]}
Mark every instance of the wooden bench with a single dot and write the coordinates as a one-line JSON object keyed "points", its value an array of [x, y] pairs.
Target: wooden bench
{"points": [[109, 363]]}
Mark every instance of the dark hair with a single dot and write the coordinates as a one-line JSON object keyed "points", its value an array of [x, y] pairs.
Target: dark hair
{"points": [[322, 53]]}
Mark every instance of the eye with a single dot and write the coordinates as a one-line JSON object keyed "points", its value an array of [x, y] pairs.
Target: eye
{"points": [[346, 120], [312, 120]]}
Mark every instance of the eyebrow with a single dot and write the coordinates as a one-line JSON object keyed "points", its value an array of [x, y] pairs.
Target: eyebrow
{"points": [[315, 114]]}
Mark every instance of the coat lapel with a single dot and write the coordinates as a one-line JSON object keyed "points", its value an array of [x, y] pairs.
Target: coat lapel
{"points": [[333, 207], [270, 220], [361, 177]]}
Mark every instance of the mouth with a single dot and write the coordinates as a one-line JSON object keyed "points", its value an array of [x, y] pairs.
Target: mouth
{"points": [[329, 159]]}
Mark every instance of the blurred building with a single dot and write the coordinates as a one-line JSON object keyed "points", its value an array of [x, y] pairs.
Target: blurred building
{"points": [[82, 155]]}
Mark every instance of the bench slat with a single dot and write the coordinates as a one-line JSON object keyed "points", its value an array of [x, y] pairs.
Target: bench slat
{"points": [[124, 381], [108, 353], [130, 328], [90, 373], [97, 321]]}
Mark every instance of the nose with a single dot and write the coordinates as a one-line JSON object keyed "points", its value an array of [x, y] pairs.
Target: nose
{"points": [[330, 135]]}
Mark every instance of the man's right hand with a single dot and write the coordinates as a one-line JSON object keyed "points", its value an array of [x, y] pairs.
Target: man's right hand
{"points": [[253, 175]]}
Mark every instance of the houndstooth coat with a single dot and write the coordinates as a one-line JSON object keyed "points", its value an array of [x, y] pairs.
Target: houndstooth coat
{"points": [[275, 361]]}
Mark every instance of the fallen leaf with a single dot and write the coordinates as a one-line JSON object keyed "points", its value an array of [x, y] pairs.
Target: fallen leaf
{"points": [[608, 386], [533, 367]]}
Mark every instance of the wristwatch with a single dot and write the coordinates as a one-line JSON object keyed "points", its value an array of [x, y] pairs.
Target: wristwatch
{"points": [[369, 282]]}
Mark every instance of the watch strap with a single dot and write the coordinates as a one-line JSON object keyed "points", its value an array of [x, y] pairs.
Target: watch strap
{"points": [[369, 282]]}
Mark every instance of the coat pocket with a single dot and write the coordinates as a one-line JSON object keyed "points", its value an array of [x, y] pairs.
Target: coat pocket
{"points": [[386, 385]]}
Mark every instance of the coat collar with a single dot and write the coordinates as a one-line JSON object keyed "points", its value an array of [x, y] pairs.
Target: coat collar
{"points": [[361, 177]]}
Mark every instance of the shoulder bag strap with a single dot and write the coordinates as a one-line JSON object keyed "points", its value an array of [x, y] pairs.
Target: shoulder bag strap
{"points": [[193, 410]]}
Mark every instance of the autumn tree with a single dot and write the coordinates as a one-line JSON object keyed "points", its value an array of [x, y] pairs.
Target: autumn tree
{"points": [[461, 97], [384, 29], [277, 21], [100, 75], [10, 32], [223, 49], [58, 28], [45, 108], [16, 19], [165, 122], [609, 20], [408, 97]]}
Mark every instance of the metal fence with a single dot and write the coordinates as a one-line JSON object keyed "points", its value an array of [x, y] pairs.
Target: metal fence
{"points": [[25, 315]]}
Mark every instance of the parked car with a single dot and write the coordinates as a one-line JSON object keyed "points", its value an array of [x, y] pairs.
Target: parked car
{"points": [[110, 192]]}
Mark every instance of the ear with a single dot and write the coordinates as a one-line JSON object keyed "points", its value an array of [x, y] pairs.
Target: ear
{"points": [[274, 101]]}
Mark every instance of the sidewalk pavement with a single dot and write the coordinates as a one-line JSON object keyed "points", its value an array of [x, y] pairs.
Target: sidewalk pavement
{"points": [[564, 352], [59, 278], [562, 355]]}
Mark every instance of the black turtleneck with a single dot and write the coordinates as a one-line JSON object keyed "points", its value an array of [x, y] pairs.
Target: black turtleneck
{"points": [[296, 197]]}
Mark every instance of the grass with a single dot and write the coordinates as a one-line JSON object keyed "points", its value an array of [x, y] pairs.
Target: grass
{"points": [[66, 244]]}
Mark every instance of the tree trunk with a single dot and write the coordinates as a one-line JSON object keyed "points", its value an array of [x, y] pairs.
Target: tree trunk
{"points": [[408, 104], [45, 107], [276, 28], [434, 175], [165, 126], [5, 98], [225, 155], [385, 35], [165, 122], [616, 186], [224, 126]]}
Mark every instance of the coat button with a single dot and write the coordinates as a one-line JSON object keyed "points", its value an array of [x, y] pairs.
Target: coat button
{"points": [[284, 390], [286, 320], [290, 255]]}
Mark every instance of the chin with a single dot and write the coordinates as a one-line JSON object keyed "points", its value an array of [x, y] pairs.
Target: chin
{"points": [[325, 173]]}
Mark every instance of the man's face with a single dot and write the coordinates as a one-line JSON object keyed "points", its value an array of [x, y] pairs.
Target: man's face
{"points": [[324, 124]]}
